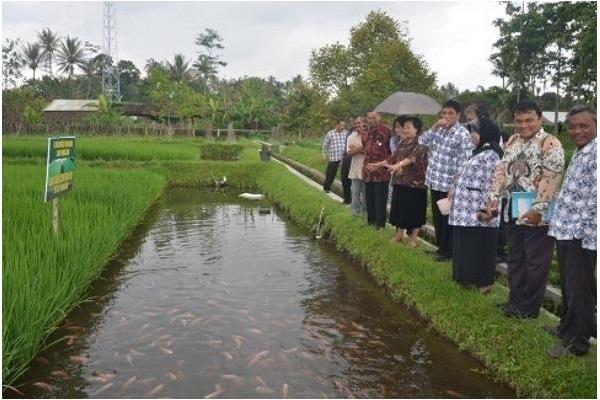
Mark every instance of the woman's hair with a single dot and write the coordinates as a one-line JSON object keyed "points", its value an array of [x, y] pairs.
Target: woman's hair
{"points": [[416, 122], [399, 120]]}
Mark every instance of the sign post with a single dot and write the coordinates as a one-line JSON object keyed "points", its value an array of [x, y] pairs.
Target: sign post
{"points": [[60, 165]]}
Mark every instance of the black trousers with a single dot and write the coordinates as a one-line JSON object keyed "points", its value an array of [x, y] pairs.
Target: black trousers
{"points": [[501, 246], [346, 182], [376, 194], [330, 172], [443, 232], [529, 254], [578, 285]]}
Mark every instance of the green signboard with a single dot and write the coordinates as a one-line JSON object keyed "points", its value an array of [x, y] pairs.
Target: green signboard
{"points": [[59, 166]]}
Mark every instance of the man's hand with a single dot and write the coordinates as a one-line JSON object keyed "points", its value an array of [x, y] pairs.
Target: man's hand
{"points": [[374, 166], [324, 157], [441, 123], [531, 217]]}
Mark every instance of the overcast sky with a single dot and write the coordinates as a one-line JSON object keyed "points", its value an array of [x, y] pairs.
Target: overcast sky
{"points": [[272, 38]]}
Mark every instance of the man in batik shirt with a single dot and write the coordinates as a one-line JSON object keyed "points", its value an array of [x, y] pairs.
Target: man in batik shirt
{"points": [[533, 161], [450, 145], [574, 227]]}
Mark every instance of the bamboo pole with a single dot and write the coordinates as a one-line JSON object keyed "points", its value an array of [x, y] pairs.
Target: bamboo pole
{"points": [[55, 221]]}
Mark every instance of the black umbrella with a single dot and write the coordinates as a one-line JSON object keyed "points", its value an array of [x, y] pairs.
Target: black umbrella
{"points": [[409, 103]]}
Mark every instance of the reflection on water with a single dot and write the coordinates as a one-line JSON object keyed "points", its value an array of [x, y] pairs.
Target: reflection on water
{"points": [[213, 299]]}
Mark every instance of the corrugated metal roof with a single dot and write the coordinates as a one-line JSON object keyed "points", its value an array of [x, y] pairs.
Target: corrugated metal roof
{"points": [[72, 105], [548, 116]]}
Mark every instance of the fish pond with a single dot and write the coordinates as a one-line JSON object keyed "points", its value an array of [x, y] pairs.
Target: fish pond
{"points": [[212, 298]]}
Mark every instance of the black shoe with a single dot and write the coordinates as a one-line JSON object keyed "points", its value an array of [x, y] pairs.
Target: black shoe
{"points": [[502, 305], [512, 312], [551, 329], [558, 350], [326, 190], [442, 258]]}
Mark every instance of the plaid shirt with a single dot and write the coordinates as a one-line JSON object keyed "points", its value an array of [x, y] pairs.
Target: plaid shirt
{"points": [[575, 213], [449, 149], [334, 145]]}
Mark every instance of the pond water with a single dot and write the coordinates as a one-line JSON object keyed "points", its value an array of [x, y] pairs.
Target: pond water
{"points": [[212, 299]]}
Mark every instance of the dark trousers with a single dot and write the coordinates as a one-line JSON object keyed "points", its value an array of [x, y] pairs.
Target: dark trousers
{"points": [[376, 194], [332, 167], [501, 245], [529, 254], [346, 182], [443, 232], [578, 286]]}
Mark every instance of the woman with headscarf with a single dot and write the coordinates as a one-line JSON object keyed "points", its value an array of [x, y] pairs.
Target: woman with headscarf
{"points": [[475, 231]]}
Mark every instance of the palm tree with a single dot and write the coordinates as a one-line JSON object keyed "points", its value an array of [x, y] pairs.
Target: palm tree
{"points": [[89, 68], [70, 55], [179, 70], [32, 55], [49, 42]]}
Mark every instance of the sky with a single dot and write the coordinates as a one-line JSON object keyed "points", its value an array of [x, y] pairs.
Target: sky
{"points": [[272, 38]]}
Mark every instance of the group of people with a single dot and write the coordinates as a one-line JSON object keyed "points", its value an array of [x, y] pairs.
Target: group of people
{"points": [[479, 182]]}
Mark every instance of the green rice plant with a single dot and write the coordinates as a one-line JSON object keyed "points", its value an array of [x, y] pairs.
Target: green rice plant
{"points": [[108, 148], [220, 151], [43, 276]]}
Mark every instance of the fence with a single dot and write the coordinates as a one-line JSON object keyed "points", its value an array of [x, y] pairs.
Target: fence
{"points": [[152, 129]]}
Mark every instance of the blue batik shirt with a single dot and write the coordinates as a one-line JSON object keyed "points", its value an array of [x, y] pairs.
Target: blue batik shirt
{"points": [[470, 193], [450, 148], [575, 213]]}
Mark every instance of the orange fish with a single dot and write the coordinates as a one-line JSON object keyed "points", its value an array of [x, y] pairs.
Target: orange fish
{"points": [[214, 394], [129, 382], [43, 385], [156, 390], [257, 357]]}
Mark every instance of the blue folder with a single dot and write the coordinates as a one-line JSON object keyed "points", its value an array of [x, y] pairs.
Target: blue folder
{"points": [[521, 202]]}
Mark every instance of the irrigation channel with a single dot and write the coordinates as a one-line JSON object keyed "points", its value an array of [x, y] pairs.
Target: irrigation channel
{"points": [[210, 298]]}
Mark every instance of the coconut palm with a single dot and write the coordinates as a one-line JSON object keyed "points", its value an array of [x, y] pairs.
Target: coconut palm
{"points": [[179, 71], [49, 42], [89, 68], [32, 55], [70, 54]]}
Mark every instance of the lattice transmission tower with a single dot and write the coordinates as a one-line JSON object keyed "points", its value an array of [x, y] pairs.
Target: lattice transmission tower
{"points": [[110, 71]]}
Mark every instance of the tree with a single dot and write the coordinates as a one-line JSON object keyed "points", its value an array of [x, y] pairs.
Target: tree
{"points": [[11, 62], [22, 104], [306, 109], [129, 77], [449, 91], [254, 105], [90, 69], [32, 55], [208, 61], [49, 42], [548, 42], [179, 70], [70, 55], [377, 62]]}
